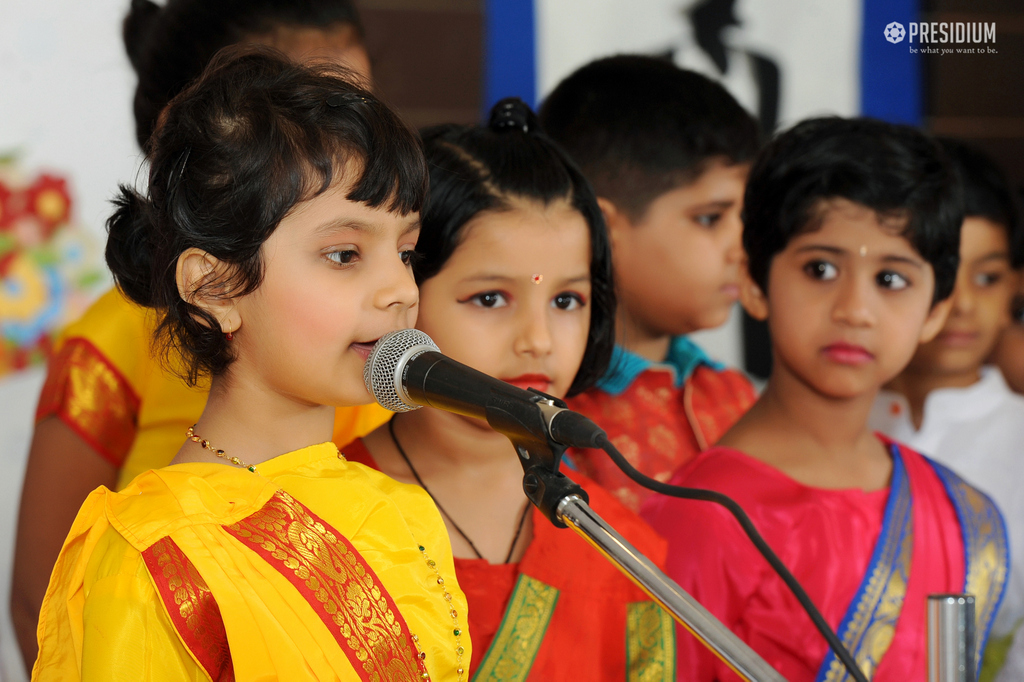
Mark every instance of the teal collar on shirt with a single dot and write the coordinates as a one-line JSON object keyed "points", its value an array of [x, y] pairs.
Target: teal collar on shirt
{"points": [[683, 358]]}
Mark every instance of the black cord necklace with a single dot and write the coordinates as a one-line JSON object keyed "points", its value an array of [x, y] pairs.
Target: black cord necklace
{"points": [[416, 475]]}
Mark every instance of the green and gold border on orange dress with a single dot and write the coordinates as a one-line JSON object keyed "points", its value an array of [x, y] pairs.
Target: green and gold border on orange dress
{"points": [[650, 643], [515, 646]]}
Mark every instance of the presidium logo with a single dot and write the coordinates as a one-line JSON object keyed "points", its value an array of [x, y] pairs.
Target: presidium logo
{"points": [[964, 37], [894, 32]]}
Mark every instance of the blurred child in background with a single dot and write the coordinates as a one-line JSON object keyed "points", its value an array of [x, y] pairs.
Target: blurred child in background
{"points": [[515, 279], [948, 403], [852, 232], [1008, 355], [667, 151]]}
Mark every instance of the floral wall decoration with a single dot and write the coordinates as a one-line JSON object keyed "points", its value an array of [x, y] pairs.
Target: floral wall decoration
{"points": [[50, 267]]}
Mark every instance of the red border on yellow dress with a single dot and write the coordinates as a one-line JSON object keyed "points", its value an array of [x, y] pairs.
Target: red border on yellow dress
{"points": [[192, 608], [338, 584], [86, 392]]}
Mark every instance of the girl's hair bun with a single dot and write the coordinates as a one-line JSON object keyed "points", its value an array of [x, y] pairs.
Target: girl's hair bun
{"points": [[513, 113], [129, 247]]}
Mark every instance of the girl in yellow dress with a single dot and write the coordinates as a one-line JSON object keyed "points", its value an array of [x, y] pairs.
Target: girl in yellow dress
{"points": [[274, 245], [109, 410]]}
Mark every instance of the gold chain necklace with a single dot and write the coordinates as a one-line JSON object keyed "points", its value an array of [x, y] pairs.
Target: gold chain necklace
{"points": [[191, 435]]}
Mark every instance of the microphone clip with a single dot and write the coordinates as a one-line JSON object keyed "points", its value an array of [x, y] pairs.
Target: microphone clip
{"points": [[539, 455]]}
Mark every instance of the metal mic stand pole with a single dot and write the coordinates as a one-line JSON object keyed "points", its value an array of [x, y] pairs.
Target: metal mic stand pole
{"points": [[578, 516], [565, 505]]}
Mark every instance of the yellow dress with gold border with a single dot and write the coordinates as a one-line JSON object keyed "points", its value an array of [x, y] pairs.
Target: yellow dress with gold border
{"points": [[105, 384], [314, 568]]}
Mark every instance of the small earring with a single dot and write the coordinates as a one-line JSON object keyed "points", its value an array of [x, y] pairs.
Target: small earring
{"points": [[229, 336]]}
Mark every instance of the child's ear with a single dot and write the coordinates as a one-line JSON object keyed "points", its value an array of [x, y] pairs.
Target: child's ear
{"points": [[751, 297], [936, 319], [197, 276], [616, 221]]}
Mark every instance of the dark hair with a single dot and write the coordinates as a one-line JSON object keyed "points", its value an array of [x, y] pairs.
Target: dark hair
{"points": [[474, 169], [640, 126], [895, 170], [170, 46], [987, 192], [234, 153]]}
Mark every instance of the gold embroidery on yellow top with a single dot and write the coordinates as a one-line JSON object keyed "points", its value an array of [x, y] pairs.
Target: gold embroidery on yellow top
{"points": [[338, 583], [86, 392], [518, 640], [191, 606], [650, 643]]}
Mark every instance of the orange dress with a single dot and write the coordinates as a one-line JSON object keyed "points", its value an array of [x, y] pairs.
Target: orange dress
{"points": [[659, 415], [564, 612]]}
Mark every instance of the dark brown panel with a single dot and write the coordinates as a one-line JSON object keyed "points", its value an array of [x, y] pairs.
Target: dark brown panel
{"points": [[1008, 152], [980, 97], [983, 84], [427, 57], [975, 6]]}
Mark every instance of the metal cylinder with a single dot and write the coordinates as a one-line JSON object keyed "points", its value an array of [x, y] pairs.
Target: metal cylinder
{"points": [[734, 652], [951, 638]]}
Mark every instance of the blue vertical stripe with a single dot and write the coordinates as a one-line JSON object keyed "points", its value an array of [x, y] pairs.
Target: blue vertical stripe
{"points": [[890, 75], [510, 61]]}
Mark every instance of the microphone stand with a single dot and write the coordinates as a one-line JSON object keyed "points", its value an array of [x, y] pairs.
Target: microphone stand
{"points": [[564, 503]]}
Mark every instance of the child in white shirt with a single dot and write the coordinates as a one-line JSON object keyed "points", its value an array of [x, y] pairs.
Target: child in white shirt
{"points": [[947, 403]]}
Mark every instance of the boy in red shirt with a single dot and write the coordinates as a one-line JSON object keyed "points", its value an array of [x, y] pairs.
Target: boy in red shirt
{"points": [[667, 151]]}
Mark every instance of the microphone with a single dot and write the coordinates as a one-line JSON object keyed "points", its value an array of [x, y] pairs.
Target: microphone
{"points": [[406, 371]]}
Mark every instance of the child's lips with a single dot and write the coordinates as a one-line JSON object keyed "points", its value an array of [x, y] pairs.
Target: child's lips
{"points": [[364, 349], [731, 290], [957, 339], [847, 354], [541, 382]]}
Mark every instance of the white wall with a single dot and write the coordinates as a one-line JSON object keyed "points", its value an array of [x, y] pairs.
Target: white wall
{"points": [[65, 96], [65, 106]]}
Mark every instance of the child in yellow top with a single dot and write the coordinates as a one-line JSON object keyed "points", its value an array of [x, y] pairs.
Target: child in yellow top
{"points": [[274, 244], [109, 410]]}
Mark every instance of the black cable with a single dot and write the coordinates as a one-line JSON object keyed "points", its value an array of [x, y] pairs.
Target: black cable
{"points": [[748, 527]]}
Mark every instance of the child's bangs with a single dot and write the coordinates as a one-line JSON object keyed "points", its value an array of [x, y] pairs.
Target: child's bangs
{"points": [[896, 220], [380, 173]]}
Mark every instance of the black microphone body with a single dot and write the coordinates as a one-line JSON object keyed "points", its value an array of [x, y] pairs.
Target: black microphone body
{"points": [[433, 379], [436, 380], [405, 371]]}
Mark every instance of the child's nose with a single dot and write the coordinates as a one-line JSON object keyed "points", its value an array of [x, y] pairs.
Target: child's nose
{"points": [[734, 249], [963, 296], [853, 305], [397, 289], [535, 337]]}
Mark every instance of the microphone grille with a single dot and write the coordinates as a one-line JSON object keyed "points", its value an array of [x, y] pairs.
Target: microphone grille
{"points": [[382, 371]]}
